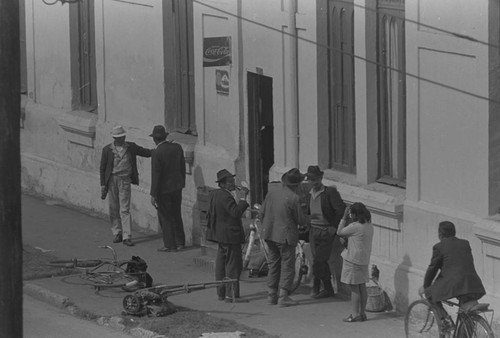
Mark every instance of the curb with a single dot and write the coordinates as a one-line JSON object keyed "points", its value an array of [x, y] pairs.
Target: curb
{"points": [[63, 302]]}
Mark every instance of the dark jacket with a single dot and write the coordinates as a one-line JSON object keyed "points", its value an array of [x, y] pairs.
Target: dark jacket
{"points": [[452, 258], [332, 205], [107, 160], [168, 169], [224, 218]]}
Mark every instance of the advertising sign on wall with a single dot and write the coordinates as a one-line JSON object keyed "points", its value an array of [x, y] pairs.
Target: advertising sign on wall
{"points": [[222, 81], [217, 51]]}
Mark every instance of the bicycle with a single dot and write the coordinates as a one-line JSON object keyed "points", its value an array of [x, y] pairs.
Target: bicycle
{"points": [[422, 320], [255, 242], [302, 267], [104, 273]]}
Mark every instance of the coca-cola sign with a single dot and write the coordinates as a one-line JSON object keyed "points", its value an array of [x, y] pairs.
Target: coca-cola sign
{"points": [[217, 51]]}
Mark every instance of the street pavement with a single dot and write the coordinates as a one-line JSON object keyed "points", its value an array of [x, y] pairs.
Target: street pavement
{"points": [[69, 233]]}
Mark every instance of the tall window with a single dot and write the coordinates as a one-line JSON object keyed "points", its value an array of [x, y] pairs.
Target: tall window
{"points": [[179, 65], [391, 92], [83, 73], [341, 85]]}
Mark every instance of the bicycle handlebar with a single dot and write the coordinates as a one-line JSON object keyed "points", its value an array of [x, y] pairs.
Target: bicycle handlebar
{"points": [[109, 248]]}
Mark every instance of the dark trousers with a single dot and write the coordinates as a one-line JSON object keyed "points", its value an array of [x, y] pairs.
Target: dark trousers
{"points": [[321, 240], [462, 299], [169, 214], [228, 264], [281, 262]]}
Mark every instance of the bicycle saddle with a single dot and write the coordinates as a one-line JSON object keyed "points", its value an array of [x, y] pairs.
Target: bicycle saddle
{"points": [[474, 306]]}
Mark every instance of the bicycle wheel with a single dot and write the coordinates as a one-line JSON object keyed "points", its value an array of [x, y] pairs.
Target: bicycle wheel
{"points": [[302, 271], [473, 326], [421, 320], [75, 263], [109, 279]]}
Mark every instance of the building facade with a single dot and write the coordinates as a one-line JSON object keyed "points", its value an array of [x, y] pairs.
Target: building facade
{"points": [[396, 100]]}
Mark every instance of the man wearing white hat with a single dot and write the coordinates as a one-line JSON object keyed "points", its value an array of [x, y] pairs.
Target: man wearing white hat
{"points": [[118, 171]]}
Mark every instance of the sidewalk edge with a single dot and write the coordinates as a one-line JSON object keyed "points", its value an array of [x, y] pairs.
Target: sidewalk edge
{"points": [[66, 303]]}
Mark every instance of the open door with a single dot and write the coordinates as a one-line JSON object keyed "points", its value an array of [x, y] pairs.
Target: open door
{"points": [[261, 134]]}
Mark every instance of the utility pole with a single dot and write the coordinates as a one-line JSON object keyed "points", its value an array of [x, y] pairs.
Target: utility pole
{"points": [[11, 292]]}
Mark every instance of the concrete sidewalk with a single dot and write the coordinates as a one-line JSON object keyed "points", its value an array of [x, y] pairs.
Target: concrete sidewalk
{"points": [[68, 233]]}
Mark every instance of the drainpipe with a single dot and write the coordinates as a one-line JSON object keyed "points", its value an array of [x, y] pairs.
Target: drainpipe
{"points": [[293, 74]]}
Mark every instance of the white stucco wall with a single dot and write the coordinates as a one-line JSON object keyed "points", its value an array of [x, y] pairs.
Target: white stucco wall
{"points": [[133, 62], [448, 138]]}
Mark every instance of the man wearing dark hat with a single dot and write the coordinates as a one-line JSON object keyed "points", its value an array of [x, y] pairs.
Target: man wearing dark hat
{"points": [[118, 170], [326, 209], [168, 177], [281, 215], [225, 228]]}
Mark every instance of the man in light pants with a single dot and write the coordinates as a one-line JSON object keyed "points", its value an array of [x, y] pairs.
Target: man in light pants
{"points": [[118, 171]]}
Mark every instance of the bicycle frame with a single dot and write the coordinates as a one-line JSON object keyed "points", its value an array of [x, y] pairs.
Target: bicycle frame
{"points": [[252, 237], [467, 317]]}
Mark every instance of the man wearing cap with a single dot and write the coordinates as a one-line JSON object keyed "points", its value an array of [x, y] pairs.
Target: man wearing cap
{"points": [[281, 215], [225, 228], [168, 177], [326, 209], [118, 170]]}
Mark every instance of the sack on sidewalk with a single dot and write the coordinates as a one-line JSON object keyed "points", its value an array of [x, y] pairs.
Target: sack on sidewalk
{"points": [[138, 266]]}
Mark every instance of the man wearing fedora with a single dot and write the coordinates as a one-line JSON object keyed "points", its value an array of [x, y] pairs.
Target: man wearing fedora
{"points": [[118, 170], [281, 214], [225, 228], [326, 209], [168, 177]]}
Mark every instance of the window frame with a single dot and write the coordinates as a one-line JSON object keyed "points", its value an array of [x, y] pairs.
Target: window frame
{"points": [[341, 74], [83, 61], [391, 109], [179, 66]]}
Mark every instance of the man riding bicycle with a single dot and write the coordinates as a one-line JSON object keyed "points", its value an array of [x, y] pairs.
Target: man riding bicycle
{"points": [[452, 258]]}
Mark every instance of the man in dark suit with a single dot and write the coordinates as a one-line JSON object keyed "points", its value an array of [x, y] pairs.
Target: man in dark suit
{"points": [[452, 258], [281, 214], [118, 170], [168, 177], [225, 228], [326, 209]]}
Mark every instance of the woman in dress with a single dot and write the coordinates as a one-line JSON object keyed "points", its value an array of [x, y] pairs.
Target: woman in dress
{"points": [[357, 257]]}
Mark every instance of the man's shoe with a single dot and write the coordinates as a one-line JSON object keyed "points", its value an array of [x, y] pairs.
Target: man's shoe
{"points": [[323, 294], [166, 250], [272, 299], [128, 242], [286, 301], [180, 247], [118, 238]]}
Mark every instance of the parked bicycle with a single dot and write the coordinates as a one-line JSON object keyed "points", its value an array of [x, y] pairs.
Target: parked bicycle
{"points": [[105, 273], [255, 252], [471, 320]]}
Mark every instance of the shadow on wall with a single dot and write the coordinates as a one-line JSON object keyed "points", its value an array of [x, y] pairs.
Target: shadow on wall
{"points": [[402, 284]]}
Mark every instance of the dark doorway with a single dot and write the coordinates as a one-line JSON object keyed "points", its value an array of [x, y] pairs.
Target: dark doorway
{"points": [[260, 134]]}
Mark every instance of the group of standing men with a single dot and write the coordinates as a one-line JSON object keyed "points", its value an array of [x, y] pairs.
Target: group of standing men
{"points": [[283, 211], [118, 170]]}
